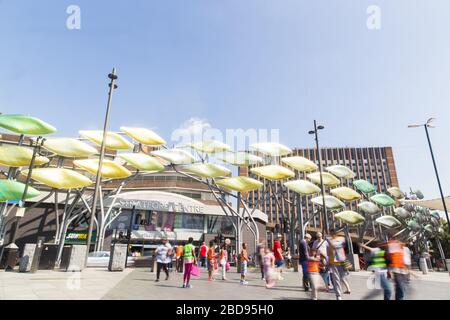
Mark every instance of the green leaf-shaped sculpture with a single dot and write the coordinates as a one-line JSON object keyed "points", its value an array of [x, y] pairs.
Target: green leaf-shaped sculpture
{"points": [[25, 124], [402, 213], [383, 200], [369, 208], [12, 191], [364, 186]]}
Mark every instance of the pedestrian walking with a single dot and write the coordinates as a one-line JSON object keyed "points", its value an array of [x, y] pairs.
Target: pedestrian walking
{"points": [[179, 258], [270, 273], [378, 266], [321, 245], [189, 260], [260, 248], [337, 259], [223, 258], [279, 259], [163, 257], [313, 272], [397, 268], [211, 257], [243, 257], [202, 255], [304, 254]]}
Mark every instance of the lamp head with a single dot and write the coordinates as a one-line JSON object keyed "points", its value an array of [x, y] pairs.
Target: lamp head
{"points": [[320, 127], [311, 132], [429, 123]]}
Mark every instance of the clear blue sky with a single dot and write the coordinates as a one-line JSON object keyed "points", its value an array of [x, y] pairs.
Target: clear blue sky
{"points": [[240, 64]]}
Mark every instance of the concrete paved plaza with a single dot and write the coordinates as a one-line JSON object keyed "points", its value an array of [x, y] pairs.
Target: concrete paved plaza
{"points": [[98, 283]]}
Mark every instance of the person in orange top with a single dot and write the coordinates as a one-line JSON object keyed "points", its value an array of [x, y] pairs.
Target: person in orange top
{"points": [[179, 258], [397, 269], [313, 272], [243, 260], [211, 260]]}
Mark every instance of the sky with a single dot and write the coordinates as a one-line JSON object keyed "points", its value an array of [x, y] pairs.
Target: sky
{"points": [[230, 64]]}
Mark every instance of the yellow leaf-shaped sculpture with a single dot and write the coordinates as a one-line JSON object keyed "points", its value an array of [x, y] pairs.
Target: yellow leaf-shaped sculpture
{"points": [[349, 217], [174, 156], [273, 172], [241, 159], [59, 178], [300, 163], [69, 147], [345, 193], [328, 179], [16, 156], [341, 171], [110, 169], [142, 161], [114, 141], [144, 136], [210, 146], [271, 148], [302, 187], [330, 202], [207, 170], [240, 184]]}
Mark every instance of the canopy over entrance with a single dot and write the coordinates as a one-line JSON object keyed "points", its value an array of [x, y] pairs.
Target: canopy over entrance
{"points": [[435, 204]]}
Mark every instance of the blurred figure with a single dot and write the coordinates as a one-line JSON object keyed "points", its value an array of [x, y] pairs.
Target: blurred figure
{"points": [[337, 258], [397, 268], [260, 255], [223, 258], [288, 258], [270, 273], [278, 253], [243, 260], [313, 272], [202, 254], [378, 266], [179, 258], [211, 255], [304, 258], [321, 246]]}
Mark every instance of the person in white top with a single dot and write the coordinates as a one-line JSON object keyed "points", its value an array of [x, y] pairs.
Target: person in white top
{"points": [[163, 257], [321, 246]]}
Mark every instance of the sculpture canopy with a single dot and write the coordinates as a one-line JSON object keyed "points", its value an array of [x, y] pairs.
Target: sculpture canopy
{"points": [[23, 124], [59, 178], [327, 178], [174, 156], [240, 184], [144, 136], [241, 159], [210, 146], [300, 163], [273, 149], [142, 162], [69, 147], [18, 156], [273, 172], [349, 217], [110, 169], [114, 141], [207, 170], [11, 190], [302, 187]]}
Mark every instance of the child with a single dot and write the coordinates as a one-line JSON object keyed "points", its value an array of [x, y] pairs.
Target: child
{"points": [[243, 261], [211, 256], [269, 268], [313, 273]]}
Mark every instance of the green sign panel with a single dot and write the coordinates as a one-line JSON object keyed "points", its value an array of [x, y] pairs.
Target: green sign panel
{"points": [[78, 237]]}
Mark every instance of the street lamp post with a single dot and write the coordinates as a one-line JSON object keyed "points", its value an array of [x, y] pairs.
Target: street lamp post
{"points": [[112, 87], [324, 208], [427, 125]]}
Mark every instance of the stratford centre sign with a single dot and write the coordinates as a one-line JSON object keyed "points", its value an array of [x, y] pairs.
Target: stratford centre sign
{"points": [[156, 205]]}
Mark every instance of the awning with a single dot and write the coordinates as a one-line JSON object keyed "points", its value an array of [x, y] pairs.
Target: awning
{"points": [[435, 204]]}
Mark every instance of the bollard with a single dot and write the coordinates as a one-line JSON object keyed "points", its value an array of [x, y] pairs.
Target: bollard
{"points": [[423, 265]]}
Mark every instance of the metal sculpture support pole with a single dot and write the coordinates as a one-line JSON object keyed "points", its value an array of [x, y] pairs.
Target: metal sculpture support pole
{"points": [[437, 177], [300, 217], [325, 228], [112, 87]]}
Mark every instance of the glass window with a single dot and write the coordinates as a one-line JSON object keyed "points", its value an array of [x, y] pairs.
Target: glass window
{"points": [[189, 221]]}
